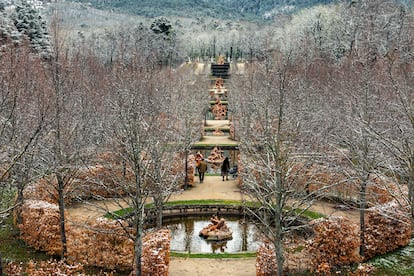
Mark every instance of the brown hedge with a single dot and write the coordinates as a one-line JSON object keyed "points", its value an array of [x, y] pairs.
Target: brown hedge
{"points": [[336, 243], [101, 243], [388, 227], [265, 260]]}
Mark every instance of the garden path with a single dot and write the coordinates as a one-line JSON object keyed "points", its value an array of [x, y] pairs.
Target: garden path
{"points": [[212, 188]]}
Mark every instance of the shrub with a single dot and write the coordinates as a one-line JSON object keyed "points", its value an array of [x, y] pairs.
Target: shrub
{"points": [[336, 243]]}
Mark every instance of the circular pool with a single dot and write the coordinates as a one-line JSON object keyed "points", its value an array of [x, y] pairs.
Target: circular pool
{"points": [[185, 236]]}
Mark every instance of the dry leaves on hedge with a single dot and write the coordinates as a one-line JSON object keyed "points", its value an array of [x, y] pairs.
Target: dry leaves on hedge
{"points": [[336, 243]]}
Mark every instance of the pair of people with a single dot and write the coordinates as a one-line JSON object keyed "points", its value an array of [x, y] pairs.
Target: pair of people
{"points": [[202, 168]]}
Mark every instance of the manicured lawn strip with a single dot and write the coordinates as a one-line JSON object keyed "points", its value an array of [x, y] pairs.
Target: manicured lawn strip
{"points": [[214, 144], [309, 214], [224, 129], [204, 202], [213, 255], [118, 213]]}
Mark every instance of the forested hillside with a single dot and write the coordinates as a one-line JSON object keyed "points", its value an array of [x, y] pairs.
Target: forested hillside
{"points": [[227, 9]]}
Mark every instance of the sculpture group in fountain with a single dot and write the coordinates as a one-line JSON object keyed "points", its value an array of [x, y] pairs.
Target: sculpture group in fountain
{"points": [[219, 110], [216, 158], [217, 230]]}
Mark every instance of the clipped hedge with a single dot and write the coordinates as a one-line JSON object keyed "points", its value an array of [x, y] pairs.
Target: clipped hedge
{"points": [[102, 243], [43, 268], [337, 240], [266, 264], [328, 182], [94, 181], [40, 226], [388, 227], [336, 243], [156, 253]]}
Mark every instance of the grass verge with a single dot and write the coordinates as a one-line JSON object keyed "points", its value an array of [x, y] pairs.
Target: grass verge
{"points": [[309, 214]]}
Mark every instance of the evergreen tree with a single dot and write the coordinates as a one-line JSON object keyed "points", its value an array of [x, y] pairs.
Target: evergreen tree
{"points": [[8, 32], [30, 24], [161, 25]]}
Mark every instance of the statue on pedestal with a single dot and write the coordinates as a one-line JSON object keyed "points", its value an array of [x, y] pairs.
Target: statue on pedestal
{"points": [[217, 230]]}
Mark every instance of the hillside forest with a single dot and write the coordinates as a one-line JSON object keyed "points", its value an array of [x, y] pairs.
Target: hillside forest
{"points": [[324, 108]]}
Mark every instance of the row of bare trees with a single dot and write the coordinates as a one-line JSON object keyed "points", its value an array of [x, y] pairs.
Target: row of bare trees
{"points": [[352, 113], [57, 117]]}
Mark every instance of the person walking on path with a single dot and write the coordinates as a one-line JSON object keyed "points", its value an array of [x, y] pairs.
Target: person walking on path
{"points": [[202, 168], [225, 167], [198, 159]]}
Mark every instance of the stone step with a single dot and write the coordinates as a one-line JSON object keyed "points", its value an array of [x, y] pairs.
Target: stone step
{"points": [[217, 124], [220, 70], [209, 142]]}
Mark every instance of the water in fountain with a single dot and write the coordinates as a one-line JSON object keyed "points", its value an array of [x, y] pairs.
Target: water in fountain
{"points": [[185, 236]]}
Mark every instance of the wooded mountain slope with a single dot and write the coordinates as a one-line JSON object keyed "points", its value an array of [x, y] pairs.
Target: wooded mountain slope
{"points": [[230, 9]]}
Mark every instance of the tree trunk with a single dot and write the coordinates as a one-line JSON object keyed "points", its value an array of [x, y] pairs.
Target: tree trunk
{"points": [[19, 203], [278, 242], [159, 207], [186, 170], [139, 215], [138, 248], [1, 265], [411, 190], [278, 239], [61, 202], [362, 207]]}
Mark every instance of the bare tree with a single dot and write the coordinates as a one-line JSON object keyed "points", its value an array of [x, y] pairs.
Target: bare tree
{"points": [[22, 118], [399, 141], [362, 96], [140, 133], [164, 153], [267, 134], [64, 146]]}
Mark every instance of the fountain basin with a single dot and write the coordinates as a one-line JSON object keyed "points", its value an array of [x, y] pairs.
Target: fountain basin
{"points": [[185, 236]]}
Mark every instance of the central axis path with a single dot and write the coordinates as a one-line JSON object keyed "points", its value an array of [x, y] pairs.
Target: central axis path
{"points": [[212, 188]]}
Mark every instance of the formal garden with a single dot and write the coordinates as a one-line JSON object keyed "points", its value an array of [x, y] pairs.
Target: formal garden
{"points": [[315, 242], [272, 142]]}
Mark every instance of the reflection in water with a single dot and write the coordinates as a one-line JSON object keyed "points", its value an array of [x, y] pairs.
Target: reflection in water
{"points": [[218, 246], [185, 236], [245, 228], [189, 230]]}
